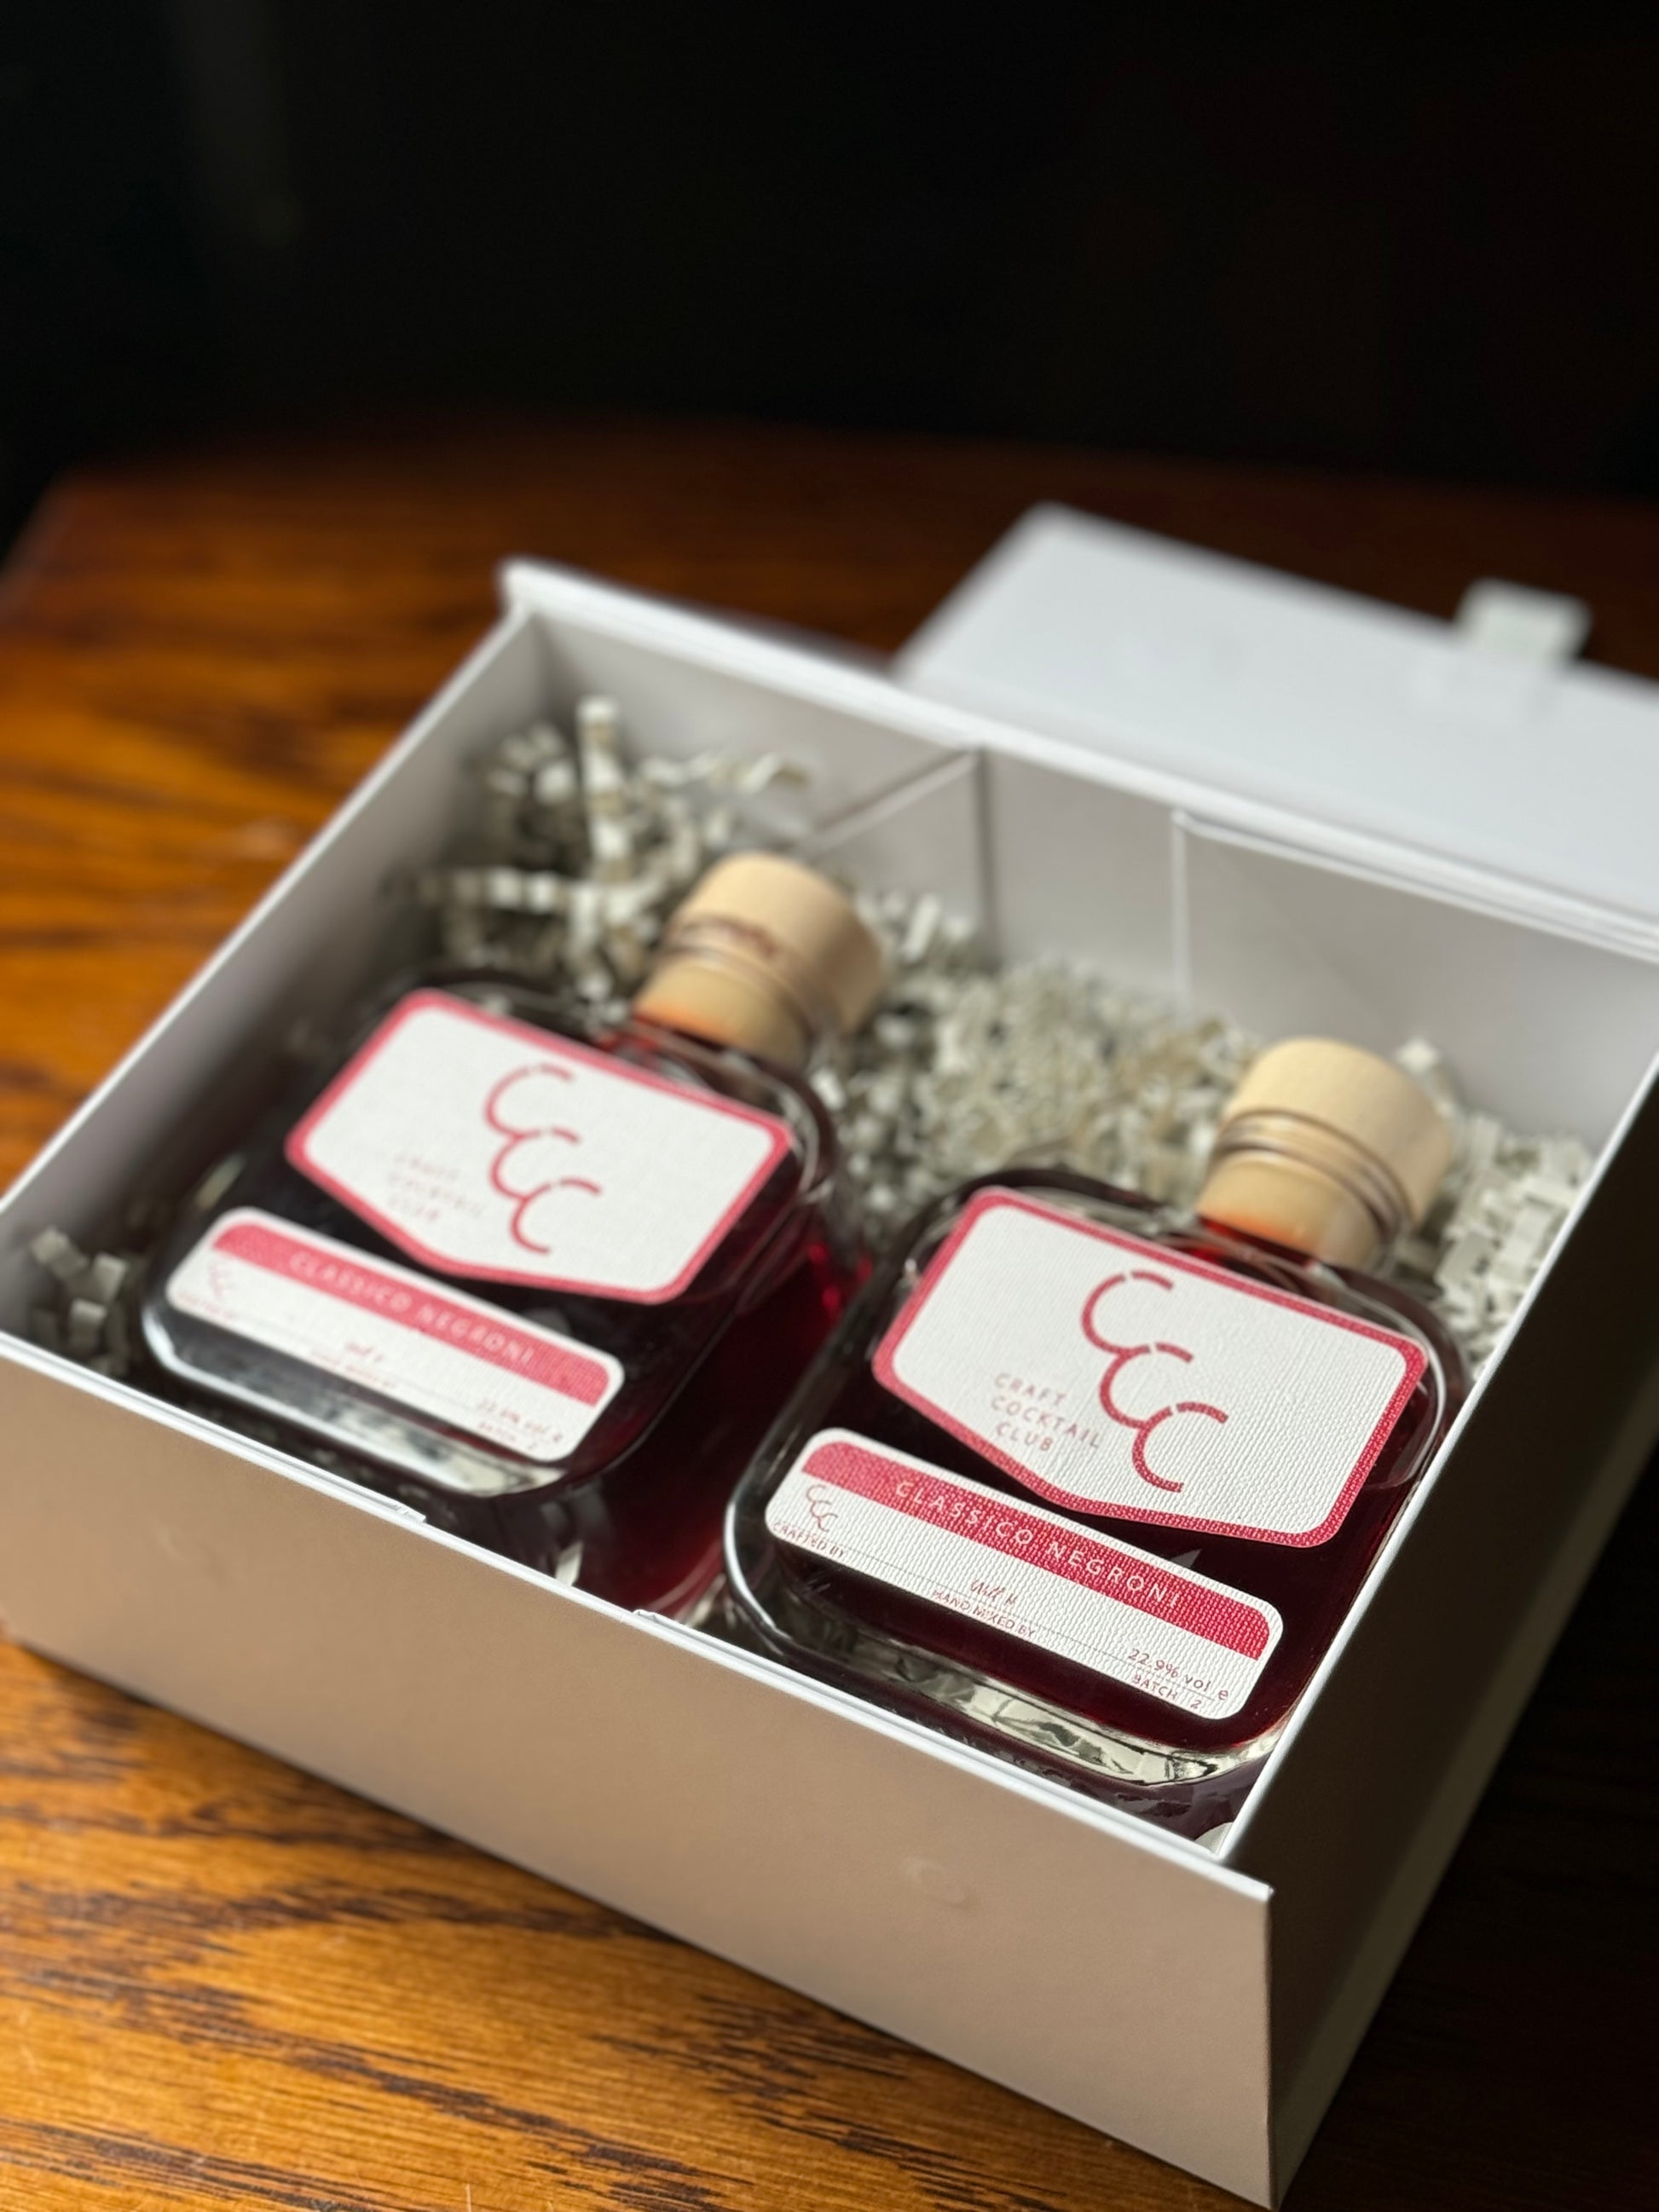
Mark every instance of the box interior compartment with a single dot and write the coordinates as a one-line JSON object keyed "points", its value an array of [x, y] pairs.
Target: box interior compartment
{"points": [[1145, 879], [1050, 861], [1543, 1028]]}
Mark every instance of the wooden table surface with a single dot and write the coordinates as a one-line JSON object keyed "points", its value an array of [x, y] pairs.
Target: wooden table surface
{"points": [[223, 1983]]}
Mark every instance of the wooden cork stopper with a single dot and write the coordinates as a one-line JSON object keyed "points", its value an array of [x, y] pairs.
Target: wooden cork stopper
{"points": [[1326, 1149], [765, 955]]}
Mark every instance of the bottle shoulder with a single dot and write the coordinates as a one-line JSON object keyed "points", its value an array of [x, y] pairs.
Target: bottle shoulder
{"points": [[647, 1049], [1131, 1217], [486, 1129]]}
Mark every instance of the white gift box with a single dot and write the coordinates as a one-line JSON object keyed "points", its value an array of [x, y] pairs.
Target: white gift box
{"points": [[1311, 812]]}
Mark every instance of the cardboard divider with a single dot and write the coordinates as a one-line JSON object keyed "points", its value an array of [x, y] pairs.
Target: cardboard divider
{"points": [[1079, 870], [1548, 1029], [1539, 1026], [928, 837]]}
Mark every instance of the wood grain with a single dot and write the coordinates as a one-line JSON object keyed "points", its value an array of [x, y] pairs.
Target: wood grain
{"points": [[223, 1983]]}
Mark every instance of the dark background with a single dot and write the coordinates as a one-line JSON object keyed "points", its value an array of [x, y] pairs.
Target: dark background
{"points": [[1402, 240]]}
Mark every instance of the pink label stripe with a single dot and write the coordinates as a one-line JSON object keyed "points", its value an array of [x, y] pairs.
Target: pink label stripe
{"points": [[1148, 1585], [482, 1336]]}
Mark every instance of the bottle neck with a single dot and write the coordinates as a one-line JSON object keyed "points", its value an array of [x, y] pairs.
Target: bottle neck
{"points": [[731, 982], [1302, 1184]]}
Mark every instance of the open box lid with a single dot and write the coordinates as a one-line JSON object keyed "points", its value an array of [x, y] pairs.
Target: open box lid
{"points": [[1476, 743]]}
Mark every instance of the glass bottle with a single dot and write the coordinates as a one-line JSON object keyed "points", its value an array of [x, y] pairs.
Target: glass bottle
{"points": [[1094, 1483], [547, 1286]]}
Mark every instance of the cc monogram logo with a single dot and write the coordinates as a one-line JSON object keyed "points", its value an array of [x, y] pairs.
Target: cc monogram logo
{"points": [[521, 1108], [1143, 1427]]}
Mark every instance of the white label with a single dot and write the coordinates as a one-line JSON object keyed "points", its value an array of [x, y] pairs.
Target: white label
{"points": [[1102, 1605], [1116, 1377], [487, 1147], [454, 1359]]}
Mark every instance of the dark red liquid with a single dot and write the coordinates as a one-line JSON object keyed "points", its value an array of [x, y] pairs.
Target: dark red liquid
{"points": [[650, 1528], [703, 1374], [1311, 1587]]}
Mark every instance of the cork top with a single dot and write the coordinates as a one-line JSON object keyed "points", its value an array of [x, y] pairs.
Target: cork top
{"points": [[766, 955], [1327, 1149]]}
